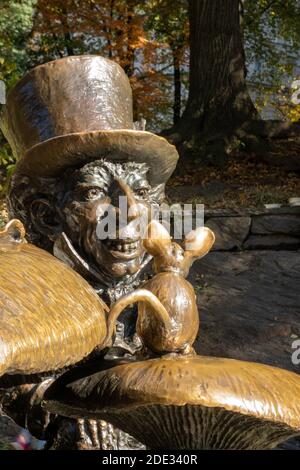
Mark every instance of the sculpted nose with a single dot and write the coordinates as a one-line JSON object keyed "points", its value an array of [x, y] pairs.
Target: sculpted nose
{"points": [[120, 188], [115, 193]]}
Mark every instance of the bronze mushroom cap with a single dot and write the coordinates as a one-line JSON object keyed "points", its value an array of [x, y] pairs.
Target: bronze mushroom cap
{"points": [[49, 316], [190, 402]]}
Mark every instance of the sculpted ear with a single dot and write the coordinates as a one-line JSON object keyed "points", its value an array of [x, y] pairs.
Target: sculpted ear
{"points": [[44, 217], [199, 242], [157, 238]]}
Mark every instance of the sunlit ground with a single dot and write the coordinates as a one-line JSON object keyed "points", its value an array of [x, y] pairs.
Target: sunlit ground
{"points": [[244, 183]]}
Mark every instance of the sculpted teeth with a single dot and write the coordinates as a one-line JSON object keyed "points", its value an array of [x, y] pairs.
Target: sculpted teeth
{"points": [[127, 247]]}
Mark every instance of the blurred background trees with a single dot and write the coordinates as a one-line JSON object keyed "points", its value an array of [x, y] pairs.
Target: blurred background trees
{"points": [[242, 57], [16, 24]]}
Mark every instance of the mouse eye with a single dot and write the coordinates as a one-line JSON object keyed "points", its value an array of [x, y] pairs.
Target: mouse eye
{"points": [[178, 252]]}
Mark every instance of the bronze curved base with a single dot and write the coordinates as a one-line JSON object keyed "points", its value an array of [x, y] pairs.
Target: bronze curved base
{"points": [[180, 402]]}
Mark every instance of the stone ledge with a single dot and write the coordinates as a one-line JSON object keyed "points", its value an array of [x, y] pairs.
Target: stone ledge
{"points": [[249, 229], [230, 232], [276, 229], [275, 242], [284, 210], [276, 224]]}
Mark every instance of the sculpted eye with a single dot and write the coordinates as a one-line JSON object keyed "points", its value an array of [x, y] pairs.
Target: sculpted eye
{"points": [[142, 192], [93, 193]]}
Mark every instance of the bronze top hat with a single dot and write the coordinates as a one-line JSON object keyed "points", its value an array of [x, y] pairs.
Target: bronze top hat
{"points": [[75, 110]]}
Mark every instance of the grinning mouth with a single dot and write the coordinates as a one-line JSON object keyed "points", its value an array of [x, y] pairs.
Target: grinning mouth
{"points": [[125, 249]]}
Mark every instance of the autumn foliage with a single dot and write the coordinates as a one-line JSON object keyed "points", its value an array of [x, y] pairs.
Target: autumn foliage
{"points": [[152, 41], [115, 29]]}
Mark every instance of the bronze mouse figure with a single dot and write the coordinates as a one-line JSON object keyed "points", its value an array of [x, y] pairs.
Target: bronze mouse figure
{"points": [[168, 319]]}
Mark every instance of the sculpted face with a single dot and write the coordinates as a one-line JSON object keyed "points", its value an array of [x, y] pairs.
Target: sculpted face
{"points": [[80, 204], [93, 198]]}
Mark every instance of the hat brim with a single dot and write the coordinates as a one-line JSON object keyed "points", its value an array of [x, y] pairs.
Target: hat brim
{"points": [[50, 158]]}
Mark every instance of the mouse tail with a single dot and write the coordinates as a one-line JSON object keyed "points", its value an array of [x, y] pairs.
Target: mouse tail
{"points": [[140, 295]]}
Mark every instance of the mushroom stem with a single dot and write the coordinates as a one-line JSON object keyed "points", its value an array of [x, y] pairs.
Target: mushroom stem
{"points": [[140, 295]]}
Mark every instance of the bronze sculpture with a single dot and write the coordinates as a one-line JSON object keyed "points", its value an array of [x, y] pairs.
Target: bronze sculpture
{"points": [[70, 125], [167, 322], [195, 402], [187, 402], [181, 400], [46, 307]]}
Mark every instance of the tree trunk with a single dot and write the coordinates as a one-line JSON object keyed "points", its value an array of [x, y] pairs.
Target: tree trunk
{"points": [[218, 101], [177, 87], [66, 32], [111, 19], [129, 66], [108, 22]]}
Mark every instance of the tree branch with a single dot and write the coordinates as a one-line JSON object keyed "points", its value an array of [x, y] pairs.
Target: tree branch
{"points": [[264, 10]]}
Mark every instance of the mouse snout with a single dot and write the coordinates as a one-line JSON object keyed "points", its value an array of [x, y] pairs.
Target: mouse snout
{"points": [[172, 259], [177, 252]]}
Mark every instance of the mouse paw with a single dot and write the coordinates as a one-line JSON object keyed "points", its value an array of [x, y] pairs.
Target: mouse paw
{"points": [[187, 350]]}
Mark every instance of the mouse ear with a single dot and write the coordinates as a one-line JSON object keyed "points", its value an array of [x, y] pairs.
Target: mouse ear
{"points": [[198, 242], [156, 238]]}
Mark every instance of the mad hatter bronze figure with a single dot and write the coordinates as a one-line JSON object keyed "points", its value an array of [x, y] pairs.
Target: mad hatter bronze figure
{"points": [[72, 163], [70, 125]]}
